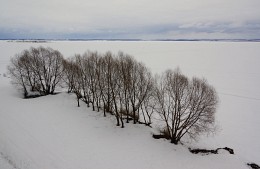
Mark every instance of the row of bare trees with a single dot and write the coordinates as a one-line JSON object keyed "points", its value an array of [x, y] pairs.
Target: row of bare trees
{"points": [[120, 85], [116, 83]]}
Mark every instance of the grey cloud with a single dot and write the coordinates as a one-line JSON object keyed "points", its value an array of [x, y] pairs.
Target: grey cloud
{"points": [[128, 19]]}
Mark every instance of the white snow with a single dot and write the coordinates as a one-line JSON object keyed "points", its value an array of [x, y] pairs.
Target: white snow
{"points": [[52, 133]]}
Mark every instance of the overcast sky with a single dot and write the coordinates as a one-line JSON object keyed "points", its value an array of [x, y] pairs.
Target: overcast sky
{"points": [[141, 19]]}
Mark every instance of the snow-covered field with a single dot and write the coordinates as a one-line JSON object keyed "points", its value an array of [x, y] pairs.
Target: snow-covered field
{"points": [[52, 133]]}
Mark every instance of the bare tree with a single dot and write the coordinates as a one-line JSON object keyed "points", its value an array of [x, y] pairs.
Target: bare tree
{"points": [[73, 77], [148, 105], [140, 85], [115, 90], [47, 67], [125, 65], [83, 79], [77, 83], [107, 70], [17, 74], [39, 69], [68, 73], [186, 107], [90, 60], [101, 80]]}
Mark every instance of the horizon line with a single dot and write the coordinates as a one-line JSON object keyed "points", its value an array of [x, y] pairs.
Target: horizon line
{"points": [[127, 39]]}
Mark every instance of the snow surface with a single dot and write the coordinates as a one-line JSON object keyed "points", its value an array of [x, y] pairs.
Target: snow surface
{"points": [[52, 133]]}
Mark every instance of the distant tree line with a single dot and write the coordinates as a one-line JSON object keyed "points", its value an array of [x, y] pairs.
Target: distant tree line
{"points": [[120, 85]]}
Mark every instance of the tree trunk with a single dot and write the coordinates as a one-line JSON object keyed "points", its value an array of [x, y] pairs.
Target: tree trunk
{"points": [[122, 122], [78, 101], [104, 109], [174, 140], [93, 105], [97, 103]]}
